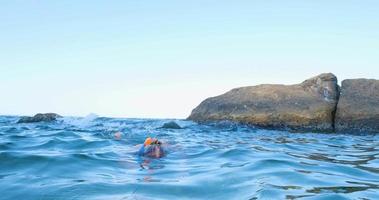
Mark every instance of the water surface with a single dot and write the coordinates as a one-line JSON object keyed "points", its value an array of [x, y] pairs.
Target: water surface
{"points": [[79, 158]]}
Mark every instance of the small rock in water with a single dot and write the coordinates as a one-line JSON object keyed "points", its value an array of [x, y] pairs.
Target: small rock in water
{"points": [[171, 125], [46, 117]]}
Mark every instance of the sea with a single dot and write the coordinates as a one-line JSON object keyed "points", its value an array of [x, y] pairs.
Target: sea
{"points": [[83, 158]]}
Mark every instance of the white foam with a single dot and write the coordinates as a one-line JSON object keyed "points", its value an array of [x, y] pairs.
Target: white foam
{"points": [[80, 121]]}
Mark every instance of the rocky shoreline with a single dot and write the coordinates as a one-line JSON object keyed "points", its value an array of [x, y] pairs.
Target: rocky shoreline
{"points": [[317, 104]]}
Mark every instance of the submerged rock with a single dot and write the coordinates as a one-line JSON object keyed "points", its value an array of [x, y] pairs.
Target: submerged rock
{"points": [[171, 125], [46, 117], [307, 106], [358, 107]]}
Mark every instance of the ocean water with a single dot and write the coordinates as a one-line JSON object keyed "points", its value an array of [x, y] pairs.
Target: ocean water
{"points": [[79, 158]]}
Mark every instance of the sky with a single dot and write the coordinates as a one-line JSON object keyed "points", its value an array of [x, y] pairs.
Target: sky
{"points": [[160, 59]]}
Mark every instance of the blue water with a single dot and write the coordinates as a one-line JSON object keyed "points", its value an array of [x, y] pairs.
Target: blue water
{"points": [[79, 158]]}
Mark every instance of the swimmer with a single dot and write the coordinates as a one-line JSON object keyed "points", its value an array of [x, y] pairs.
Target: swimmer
{"points": [[118, 135], [152, 147]]}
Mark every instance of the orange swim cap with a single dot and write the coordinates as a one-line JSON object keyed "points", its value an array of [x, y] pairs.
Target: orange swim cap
{"points": [[147, 141]]}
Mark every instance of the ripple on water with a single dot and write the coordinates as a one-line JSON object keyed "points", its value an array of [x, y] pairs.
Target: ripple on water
{"points": [[79, 158]]}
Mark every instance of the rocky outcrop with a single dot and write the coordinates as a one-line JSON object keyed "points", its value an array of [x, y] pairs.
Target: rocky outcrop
{"points": [[310, 105], [46, 117], [358, 107], [171, 125]]}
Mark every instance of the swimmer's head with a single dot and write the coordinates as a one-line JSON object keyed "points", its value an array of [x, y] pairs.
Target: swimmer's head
{"points": [[148, 141], [118, 135]]}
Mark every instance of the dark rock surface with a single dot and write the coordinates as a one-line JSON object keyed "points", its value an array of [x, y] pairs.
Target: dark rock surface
{"points": [[358, 107], [307, 106], [46, 117], [171, 125]]}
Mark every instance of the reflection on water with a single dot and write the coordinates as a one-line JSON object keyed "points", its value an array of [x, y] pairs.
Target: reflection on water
{"points": [[83, 159]]}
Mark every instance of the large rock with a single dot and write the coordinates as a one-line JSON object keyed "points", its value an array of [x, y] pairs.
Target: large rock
{"points": [[46, 117], [358, 107], [171, 125], [307, 106]]}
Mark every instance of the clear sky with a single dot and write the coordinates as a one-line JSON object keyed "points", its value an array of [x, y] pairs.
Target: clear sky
{"points": [[161, 58]]}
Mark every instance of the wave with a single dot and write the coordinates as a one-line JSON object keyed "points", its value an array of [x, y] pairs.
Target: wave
{"points": [[81, 122]]}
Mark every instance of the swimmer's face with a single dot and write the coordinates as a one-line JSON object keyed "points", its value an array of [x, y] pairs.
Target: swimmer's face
{"points": [[155, 152]]}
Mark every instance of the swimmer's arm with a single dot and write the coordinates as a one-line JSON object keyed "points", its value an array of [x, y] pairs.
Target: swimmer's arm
{"points": [[141, 150]]}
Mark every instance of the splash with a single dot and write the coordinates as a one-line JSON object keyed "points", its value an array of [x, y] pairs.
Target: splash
{"points": [[81, 122]]}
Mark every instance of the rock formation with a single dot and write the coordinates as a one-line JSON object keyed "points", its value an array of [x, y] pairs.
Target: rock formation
{"points": [[46, 117], [358, 107], [171, 125], [309, 105]]}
